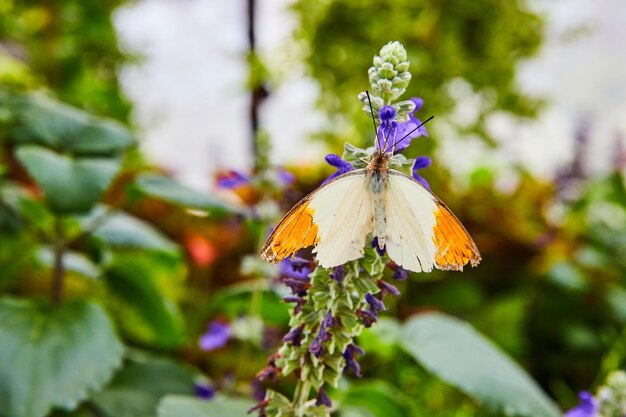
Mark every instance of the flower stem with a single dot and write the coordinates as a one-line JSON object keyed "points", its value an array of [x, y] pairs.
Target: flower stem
{"points": [[301, 396]]}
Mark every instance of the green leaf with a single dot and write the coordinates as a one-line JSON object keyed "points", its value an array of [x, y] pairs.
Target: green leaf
{"points": [[220, 406], [137, 388], [458, 354], [45, 121], [146, 313], [70, 184], [123, 230], [374, 399], [165, 188], [53, 357]]}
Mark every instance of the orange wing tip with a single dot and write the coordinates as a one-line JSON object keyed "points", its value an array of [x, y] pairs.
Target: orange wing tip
{"points": [[295, 231], [455, 247]]}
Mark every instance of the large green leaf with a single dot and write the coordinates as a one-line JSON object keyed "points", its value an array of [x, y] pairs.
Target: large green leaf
{"points": [[53, 357], [458, 354], [123, 230], [45, 121], [220, 406], [373, 399], [137, 388], [146, 313], [167, 189], [70, 184]]}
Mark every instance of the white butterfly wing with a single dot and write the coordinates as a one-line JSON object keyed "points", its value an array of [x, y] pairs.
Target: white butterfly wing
{"points": [[421, 232], [343, 213], [337, 217]]}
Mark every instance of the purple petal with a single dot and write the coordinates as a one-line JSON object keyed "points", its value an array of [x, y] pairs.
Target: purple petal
{"points": [[387, 288], [341, 165], [400, 274], [323, 399], [295, 268], [375, 304], [286, 177], [387, 114], [588, 406], [216, 336], [420, 163], [231, 180], [419, 102], [204, 391]]}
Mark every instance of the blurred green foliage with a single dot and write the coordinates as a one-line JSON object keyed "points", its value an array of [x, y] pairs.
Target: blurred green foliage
{"points": [[480, 42], [71, 47]]}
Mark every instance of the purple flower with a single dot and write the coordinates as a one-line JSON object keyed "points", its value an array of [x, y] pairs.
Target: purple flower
{"points": [[204, 391], [295, 274], [588, 406], [386, 288], [295, 267], [338, 273], [421, 163], [323, 336], [399, 273], [216, 336], [388, 129], [397, 137], [232, 179], [323, 399], [328, 321], [294, 336], [350, 356], [298, 300], [341, 165], [271, 371], [381, 251], [367, 317], [285, 177], [376, 306]]}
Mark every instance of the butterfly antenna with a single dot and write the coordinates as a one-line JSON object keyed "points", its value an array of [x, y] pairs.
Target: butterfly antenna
{"points": [[372, 112], [408, 134]]}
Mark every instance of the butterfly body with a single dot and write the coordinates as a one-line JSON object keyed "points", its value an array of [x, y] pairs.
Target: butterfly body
{"points": [[417, 230]]}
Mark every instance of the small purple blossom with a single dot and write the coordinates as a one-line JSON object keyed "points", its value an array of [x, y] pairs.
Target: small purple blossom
{"points": [[588, 406], [295, 299], [295, 274], [367, 317], [232, 179], [376, 306], [421, 163], [387, 288], [323, 399], [323, 336], [381, 251], [204, 391], [341, 165], [294, 336], [271, 371], [295, 267], [285, 177], [388, 129], [396, 136], [216, 336], [329, 320], [350, 356], [400, 274], [338, 273]]}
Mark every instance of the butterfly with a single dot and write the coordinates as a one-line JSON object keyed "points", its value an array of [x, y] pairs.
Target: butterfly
{"points": [[416, 228]]}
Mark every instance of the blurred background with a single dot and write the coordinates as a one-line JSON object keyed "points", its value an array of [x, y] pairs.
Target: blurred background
{"points": [[207, 98]]}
